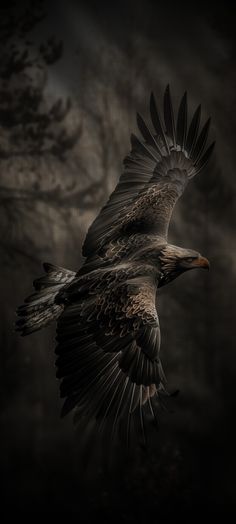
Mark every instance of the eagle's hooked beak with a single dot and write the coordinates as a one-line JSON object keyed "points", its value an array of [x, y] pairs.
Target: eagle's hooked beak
{"points": [[201, 262]]}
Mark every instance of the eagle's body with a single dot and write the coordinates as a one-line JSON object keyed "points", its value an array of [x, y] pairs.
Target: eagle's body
{"points": [[108, 332]]}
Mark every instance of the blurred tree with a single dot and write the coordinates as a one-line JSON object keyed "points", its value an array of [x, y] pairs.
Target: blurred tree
{"points": [[27, 125], [34, 134]]}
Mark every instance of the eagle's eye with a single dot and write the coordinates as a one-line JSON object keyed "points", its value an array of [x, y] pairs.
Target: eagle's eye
{"points": [[190, 259]]}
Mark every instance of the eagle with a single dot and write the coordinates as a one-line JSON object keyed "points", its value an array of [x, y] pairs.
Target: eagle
{"points": [[108, 330]]}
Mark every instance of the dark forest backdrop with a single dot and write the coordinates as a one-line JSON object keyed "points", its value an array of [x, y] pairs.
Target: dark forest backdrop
{"points": [[72, 77]]}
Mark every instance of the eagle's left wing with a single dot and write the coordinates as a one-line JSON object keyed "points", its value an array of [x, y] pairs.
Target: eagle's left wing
{"points": [[109, 342], [155, 175]]}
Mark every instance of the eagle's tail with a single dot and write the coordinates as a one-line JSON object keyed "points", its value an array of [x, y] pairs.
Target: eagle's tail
{"points": [[40, 308]]}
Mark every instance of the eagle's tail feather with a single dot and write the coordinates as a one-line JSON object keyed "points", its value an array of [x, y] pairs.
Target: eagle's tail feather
{"points": [[40, 308]]}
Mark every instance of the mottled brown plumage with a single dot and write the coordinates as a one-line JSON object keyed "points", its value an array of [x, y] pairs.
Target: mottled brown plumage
{"points": [[108, 332]]}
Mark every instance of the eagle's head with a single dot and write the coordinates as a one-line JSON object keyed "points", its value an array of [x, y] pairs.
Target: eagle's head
{"points": [[175, 260]]}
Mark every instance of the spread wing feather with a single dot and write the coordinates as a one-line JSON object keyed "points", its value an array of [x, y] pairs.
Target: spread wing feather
{"points": [[147, 135], [201, 142], [182, 122], [205, 158], [169, 116], [193, 130], [157, 123], [158, 167]]}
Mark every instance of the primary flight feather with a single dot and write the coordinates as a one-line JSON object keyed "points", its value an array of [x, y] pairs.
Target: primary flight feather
{"points": [[108, 331]]}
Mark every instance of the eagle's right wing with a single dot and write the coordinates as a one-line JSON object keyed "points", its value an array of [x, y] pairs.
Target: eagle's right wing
{"points": [[155, 176]]}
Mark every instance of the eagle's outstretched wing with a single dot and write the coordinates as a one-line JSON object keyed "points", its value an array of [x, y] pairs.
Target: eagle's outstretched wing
{"points": [[108, 344], [155, 175]]}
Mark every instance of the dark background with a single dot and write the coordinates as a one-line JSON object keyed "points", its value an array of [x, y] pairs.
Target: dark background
{"points": [[73, 75]]}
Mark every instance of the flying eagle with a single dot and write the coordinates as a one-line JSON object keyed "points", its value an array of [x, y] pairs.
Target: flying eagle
{"points": [[108, 331]]}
